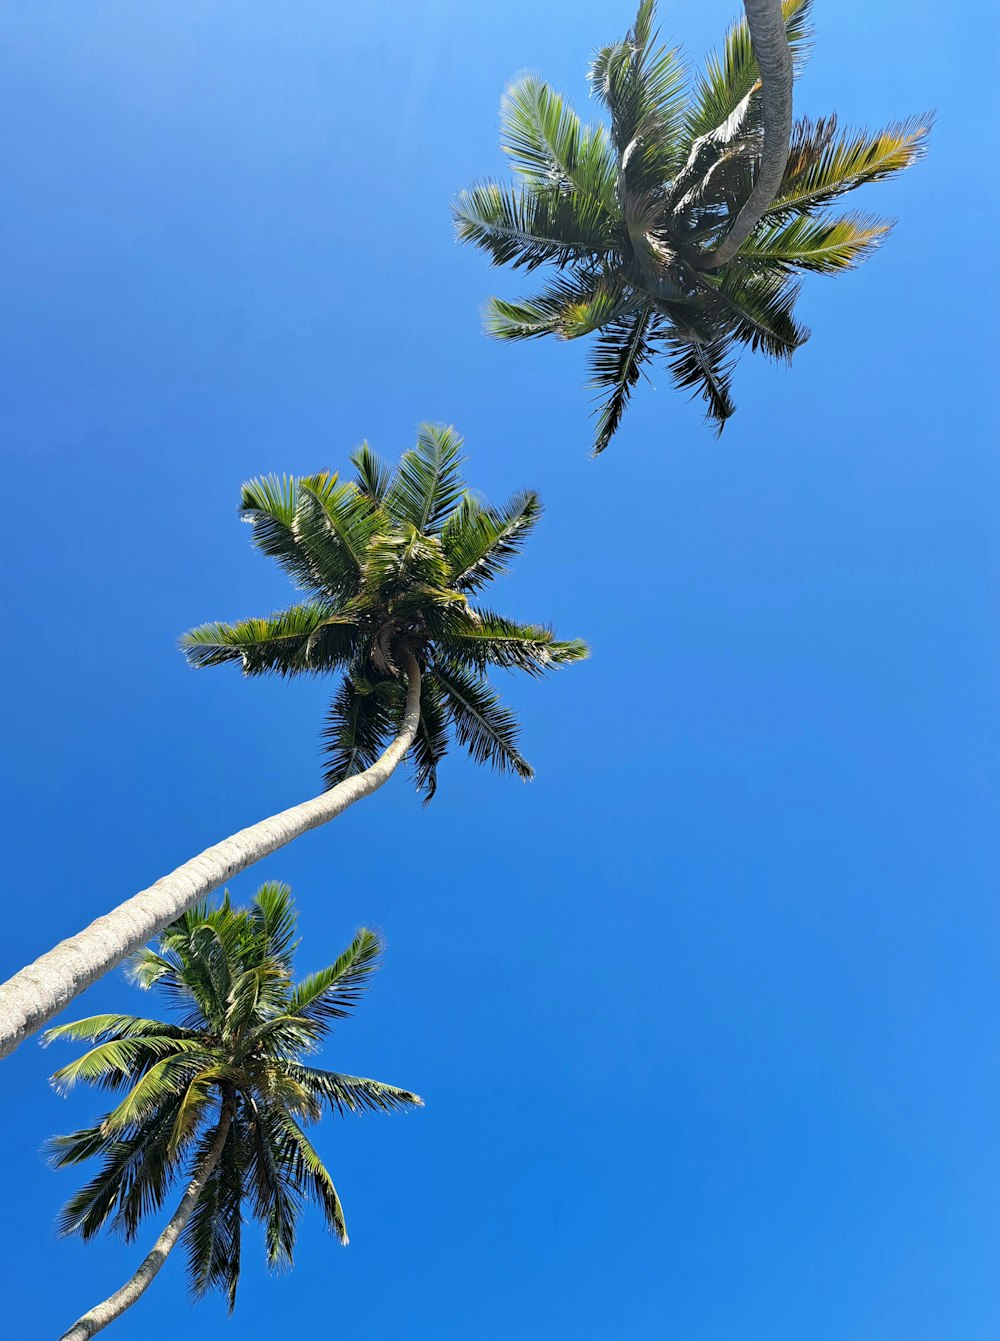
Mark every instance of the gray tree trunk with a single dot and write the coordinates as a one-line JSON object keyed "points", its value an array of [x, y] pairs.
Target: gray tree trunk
{"points": [[136, 1285], [33, 996], [774, 60]]}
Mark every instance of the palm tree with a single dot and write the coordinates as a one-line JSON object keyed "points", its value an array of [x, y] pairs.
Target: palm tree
{"points": [[221, 1094], [388, 563], [630, 217]]}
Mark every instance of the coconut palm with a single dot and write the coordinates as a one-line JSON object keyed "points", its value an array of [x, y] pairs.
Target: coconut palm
{"points": [[220, 1095], [389, 564], [630, 218]]}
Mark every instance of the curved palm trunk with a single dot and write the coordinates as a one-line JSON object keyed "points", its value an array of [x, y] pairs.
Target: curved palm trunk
{"points": [[31, 997], [115, 1305], [774, 60]]}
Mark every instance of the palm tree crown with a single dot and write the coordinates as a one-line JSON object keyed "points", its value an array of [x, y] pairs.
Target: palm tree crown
{"points": [[237, 1049], [629, 216], [389, 562]]}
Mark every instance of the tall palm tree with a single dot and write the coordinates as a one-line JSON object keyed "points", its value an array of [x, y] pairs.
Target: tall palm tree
{"points": [[630, 217], [221, 1094], [389, 564]]}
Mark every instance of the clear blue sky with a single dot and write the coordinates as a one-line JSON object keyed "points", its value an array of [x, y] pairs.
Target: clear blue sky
{"points": [[706, 1017]]}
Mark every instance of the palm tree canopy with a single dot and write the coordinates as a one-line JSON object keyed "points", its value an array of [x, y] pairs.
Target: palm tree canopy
{"points": [[243, 1035], [628, 215], [389, 562]]}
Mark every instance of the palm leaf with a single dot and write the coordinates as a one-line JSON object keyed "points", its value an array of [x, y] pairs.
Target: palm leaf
{"points": [[358, 723], [549, 147], [354, 1094], [823, 165], [427, 483], [617, 363], [431, 742], [480, 541], [527, 228], [730, 78], [303, 639], [487, 729], [824, 245]]}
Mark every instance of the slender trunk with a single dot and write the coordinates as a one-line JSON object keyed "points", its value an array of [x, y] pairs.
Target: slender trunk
{"points": [[115, 1305], [31, 997], [774, 60]]}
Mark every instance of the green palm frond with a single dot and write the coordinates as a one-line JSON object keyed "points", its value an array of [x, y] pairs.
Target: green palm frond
{"points": [[269, 504], [111, 1064], [213, 1234], [526, 228], [568, 308], [102, 1028], [300, 1162], [488, 639], [761, 307], [274, 921], [333, 525], [643, 88], [703, 368], [334, 992], [360, 719], [373, 474], [825, 245], [479, 541], [431, 743], [549, 147], [427, 484], [167, 1079], [302, 639], [487, 729], [618, 361], [355, 1094], [730, 78], [823, 165], [276, 1203]]}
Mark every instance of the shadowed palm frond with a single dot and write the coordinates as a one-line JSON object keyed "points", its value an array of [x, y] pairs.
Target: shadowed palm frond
{"points": [[487, 729]]}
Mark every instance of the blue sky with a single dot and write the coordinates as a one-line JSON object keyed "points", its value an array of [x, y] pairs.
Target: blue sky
{"points": [[705, 1017]]}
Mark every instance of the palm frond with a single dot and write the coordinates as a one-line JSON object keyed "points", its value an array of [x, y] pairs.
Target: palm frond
{"points": [[526, 228], [301, 1162], [333, 524], [568, 308], [825, 245], [354, 1094], [269, 505], [488, 639], [373, 474], [619, 356], [480, 541], [549, 147], [213, 1234], [427, 483], [431, 743], [704, 368], [274, 920], [487, 729], [358, 724], [730, 78], [166, 1080], [761, 307], [115, 1063], [822, 165], [643, 87], [303, 639]]}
